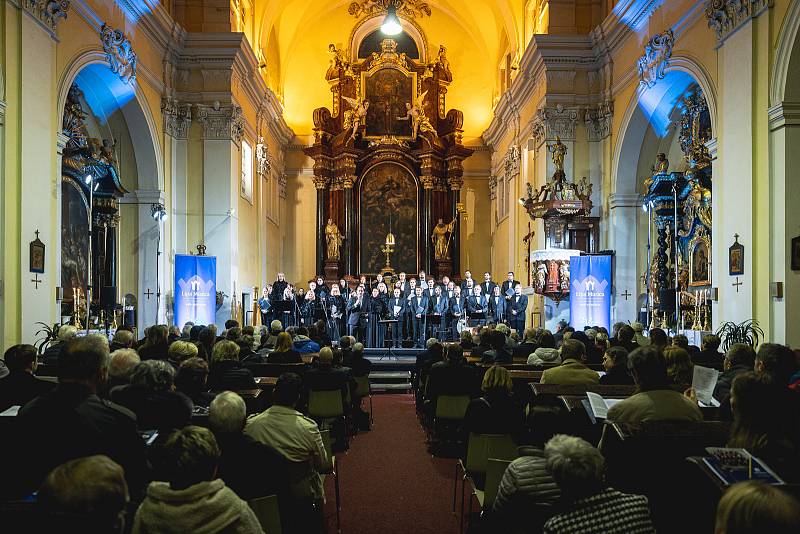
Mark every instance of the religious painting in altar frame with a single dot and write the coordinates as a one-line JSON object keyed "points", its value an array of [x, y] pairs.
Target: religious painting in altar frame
{"points": [[795, 253], [74, 235], [736, 258], [699, 262], [388, 89], [37, 255], [388, 195]]}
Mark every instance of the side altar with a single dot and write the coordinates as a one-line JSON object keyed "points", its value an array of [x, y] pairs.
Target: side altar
{"points": [[388, 161]]}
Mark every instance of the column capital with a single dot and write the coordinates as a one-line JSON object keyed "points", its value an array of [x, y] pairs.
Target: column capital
{"points": [[221, 121], [598, 121], [61, 141], [2, 112], [726, 16], [552, 122], [624, 200], [177, 117], [47, 12]]}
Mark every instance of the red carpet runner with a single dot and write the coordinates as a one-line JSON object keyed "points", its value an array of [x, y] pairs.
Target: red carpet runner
{"points": [[389, 482]]}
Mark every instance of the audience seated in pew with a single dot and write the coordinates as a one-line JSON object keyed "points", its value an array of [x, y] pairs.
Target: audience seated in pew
{"points": [[87, 495], [465, 340], [302, 343], [496, 411], [293, 435], [615, 362], [156, 344], [572, 370], [190, 498], [250, 468], [761, 426], [120, 369], [180, 351], [192, 381], [625, 338], [655, 400], [708, 355], [20, 386], [528, 345], [71, 421], [51, 354], [226, 371], [753, 507], [679, 366], [453, 376], [658, 338], [326, 376], [739, 359], [484, 345], [123, 339], [587, 504], [355, 360], [284, 353], [268, 342], [499, 353], [152, 397], [546, 352]]}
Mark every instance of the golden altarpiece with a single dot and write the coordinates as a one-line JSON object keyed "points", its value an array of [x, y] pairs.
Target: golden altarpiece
{"points": [[388, 160]]}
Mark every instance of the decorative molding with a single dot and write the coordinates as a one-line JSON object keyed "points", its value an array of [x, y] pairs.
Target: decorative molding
{"points": [[624, 200], [282, 185], [726, 16], [48, 12], [655, 60], [263, 158], [511, 162], [492, 187], [177, 117], [598, 121], [782, 115], [221, 121], [61, 141], [2, 113], [549, 123], [119, 52], [410, 9]]}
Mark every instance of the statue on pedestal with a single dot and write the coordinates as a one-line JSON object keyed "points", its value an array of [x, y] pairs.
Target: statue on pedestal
{"points": [[356, 116], [333, 239], [559, 150], [416, 114], [441, 241]]}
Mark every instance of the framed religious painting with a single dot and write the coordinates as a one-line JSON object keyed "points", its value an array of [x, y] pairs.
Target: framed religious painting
{"points": [[736, 258], [795, 253], [699, 262], [37, 255]]}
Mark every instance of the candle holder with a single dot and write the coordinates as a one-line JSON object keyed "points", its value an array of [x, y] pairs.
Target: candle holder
{"points": [[388, 249]]}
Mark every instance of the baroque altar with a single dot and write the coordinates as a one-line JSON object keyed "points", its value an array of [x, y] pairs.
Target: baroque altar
{"points": [[388, 160]]}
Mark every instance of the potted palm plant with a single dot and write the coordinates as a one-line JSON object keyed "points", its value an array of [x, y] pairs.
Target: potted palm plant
{"points": [[747, 332]]}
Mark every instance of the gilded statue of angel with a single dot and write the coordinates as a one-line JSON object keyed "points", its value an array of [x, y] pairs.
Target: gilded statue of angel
{"points": [[358, 113], [416, 114]]}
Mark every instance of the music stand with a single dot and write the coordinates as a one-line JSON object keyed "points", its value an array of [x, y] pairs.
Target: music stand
{"points": [[477, 317], [391, 353]]}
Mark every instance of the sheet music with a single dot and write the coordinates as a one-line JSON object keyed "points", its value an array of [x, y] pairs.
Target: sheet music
{"points": [[704, 379], [600, 406], [397, 310], [11, 412]]}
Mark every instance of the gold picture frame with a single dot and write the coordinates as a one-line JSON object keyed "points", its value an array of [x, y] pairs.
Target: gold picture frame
{"points": [[700, 261]]}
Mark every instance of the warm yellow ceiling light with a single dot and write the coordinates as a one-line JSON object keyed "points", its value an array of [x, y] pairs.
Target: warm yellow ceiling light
{"points": [[391, 24]]}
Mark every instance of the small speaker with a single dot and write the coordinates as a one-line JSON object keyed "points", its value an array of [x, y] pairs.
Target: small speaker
{"points": [[59, 294], [776, 290], [108, 296], [666, 300]]}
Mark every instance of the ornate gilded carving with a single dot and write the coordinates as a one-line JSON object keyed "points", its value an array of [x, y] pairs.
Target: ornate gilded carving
{"points": [[511, 162], [695, 130], [598, 121], [263, 163], [221, 121], [177, 117], [282, 185], [49, 12], [119, 52], [405, 8], [420, 123], [72, 123], [492, 188], [724, 16], [550, 123], [653, 63]]}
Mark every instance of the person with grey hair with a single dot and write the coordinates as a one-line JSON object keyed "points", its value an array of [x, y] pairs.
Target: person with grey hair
{"points": [[250, 468], [120, 370], [123, 339], [187, 331], [226, 371], [66, 333], [191, 499], [72, 422], [590, 506], [152, 397]]}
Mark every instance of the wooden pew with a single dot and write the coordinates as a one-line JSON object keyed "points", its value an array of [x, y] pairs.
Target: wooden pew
{"points": [[580, 390], [276, 369]]}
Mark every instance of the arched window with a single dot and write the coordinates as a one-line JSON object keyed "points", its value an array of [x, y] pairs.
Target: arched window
{"points": [[372, 43]]}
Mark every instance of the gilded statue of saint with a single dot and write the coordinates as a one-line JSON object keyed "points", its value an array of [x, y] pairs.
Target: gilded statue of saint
{"points": [[441, 242], [559, 150], [333, 238], [358, 113]]}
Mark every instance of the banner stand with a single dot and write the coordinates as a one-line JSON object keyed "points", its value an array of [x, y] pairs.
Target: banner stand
{"points": [[195, 289], [590, 291]]}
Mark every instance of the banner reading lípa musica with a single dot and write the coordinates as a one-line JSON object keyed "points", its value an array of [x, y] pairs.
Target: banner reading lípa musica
{"points": [[590, 295], [195, 289]]}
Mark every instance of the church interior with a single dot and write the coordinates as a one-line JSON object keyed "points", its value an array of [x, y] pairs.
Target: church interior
{"points": [[491, 225]]}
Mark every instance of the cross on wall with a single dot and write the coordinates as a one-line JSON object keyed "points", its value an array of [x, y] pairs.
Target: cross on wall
{"points": [[736, 284], [36, 280], [148, 293], [626, 294]]}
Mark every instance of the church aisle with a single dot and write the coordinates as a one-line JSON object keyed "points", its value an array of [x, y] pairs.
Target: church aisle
{"points": [[389, 482]]}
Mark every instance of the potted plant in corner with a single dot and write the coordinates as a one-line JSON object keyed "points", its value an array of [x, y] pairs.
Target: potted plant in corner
{"points": [[747, 332]]}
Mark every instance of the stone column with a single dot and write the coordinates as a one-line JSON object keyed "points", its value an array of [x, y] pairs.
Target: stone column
{"points": [[623, 212], [3, 312], [222, 134], [177, 119], [320, 184], [455, 180], [427, 214]]}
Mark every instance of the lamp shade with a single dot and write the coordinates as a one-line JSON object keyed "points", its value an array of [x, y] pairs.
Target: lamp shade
{"points": [[390, 239]]}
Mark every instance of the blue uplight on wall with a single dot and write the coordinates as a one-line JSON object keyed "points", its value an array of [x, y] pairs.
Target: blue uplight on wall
{"points": [[104, 91], [658, 102]]}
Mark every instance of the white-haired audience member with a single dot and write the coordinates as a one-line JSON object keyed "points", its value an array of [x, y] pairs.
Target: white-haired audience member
{"points": [[250, 468], [191, 499], [590, 506]]}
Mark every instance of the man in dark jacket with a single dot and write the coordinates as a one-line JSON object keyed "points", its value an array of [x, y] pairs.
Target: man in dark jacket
{"points": [[709, 355], [528, 345], [326, 377], [451, 377], [250, 468], [20, 386], [71, 421], [739, 359], [226, 371], [66, 333]]}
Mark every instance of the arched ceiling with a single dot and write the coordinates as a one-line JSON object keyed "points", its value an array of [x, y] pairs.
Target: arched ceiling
{"points": [[293, 37]]}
